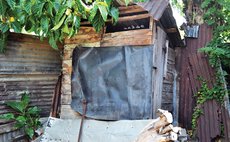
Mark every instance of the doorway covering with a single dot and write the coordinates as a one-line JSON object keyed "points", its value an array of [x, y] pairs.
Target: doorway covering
{"points": [[116, 82]]}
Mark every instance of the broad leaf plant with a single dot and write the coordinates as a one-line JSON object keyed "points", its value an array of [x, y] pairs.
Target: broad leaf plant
{"points": [[26, 117], [53, 19]]}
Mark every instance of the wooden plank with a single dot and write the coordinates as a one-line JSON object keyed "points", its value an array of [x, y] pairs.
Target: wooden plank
{"points": [[159, 57], [83, 39], [128, 33], [125, 18], [85, 35], [133, 17], [86, 30], [131, 9], [138, 40], [171, 30]]}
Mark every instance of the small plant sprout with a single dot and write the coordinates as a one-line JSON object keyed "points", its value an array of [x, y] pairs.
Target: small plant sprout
{"points": [[26, 117]]}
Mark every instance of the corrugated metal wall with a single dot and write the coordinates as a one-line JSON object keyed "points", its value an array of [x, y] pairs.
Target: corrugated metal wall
{"points": [[27, 65], [191, 66], [194, 64]]}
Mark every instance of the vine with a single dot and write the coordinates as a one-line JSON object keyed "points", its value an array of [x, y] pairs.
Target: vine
{"points": [[217, 15], [205, 93], [54, 19]]}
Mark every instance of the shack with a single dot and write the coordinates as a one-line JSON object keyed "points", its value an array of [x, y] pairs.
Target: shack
{"points": [[128, 70]]}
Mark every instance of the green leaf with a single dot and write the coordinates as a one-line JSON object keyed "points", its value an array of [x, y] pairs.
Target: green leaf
{"points": [[19, 125], [56, 6], [50, 8], [29, 132], [104, 12], [33, 110], [114, 12], [38, 8], [98, 22], [25, 100], [76, 22], [7, 116], [65, 29], [52, 42], [27, 7], [11, 3], [21, 119], [205, 3], [93, 12], [108, 2], [59, 24], [70, 3], [3, 7], [16, 26], [60, 13], [127, 2], [16, 106], [4, 27], [45, 25]]}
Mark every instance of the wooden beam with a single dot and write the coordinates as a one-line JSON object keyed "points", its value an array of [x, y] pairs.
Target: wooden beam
{"points": [[85, 35], [171, 30], [128, 33], [133, 17], [131, 9], [132, 40], [125, 18]]}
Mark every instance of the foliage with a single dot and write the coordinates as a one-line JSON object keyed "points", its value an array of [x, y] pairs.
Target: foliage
{"points": [[217, 15], [26, 117], [178, 4], [54, 19], [217, 92]]}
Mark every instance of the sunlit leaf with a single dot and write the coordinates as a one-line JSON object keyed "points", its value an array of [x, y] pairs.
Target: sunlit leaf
{"points": [[29, 132], [33, 110], [114, 13], [11, 3], [16, 106], [7, 116], [98, 22], [45, 25], [104, 12], [59, 24], [3, 7], [52, 42], [93, 12], [4, 27], [16, 27]]}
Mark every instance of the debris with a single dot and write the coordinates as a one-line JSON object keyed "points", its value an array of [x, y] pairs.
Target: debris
{"points": [[155, 130], [161, 130]]}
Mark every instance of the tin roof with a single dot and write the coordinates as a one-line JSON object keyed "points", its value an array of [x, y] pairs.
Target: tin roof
{"points": [[155, 7]]}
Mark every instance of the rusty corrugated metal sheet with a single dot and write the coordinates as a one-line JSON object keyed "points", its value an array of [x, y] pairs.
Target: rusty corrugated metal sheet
{"points": [[28, 65], [196, 64], [192, 65], [208, 124], [155, 7], [9, 137], [226, 122]]}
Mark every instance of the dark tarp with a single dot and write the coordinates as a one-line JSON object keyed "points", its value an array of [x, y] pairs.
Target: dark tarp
{"points": [[115, 81]]}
